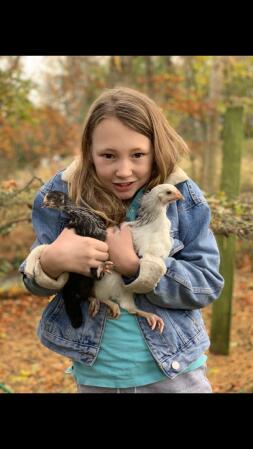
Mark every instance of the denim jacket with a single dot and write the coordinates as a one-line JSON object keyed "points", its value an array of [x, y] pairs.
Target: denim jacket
{"points": [[191, 281]]}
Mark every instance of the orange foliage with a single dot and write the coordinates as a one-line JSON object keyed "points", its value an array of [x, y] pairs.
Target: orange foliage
{"points": [[46, 134], [10, 184]]}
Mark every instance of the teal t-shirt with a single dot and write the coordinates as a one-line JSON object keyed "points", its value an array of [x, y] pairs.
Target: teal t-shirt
{"points": [[124, 359]]}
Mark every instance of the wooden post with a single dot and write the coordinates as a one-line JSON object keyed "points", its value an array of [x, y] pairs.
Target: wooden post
{"points": [[230, 184]]}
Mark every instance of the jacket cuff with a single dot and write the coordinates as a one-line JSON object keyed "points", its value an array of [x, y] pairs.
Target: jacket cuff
{"points": [[128, 279], [34, 270], [151, 270]]}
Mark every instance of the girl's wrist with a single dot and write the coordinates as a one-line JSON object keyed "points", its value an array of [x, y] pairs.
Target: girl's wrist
{"points": [[48, 262], [132, 267]]}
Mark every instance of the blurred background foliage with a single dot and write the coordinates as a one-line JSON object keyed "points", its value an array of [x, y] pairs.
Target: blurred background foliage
{"points": [[41, 119]]}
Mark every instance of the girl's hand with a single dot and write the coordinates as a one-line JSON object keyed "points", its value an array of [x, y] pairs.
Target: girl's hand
{"points": [[121, 250], [72, 253]]}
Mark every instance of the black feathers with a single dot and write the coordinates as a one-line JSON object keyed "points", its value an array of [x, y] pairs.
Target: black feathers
{"points": [[86, 223]]}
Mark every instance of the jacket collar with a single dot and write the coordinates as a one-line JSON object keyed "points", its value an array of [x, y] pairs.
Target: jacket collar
{"points": [[177, 176]]}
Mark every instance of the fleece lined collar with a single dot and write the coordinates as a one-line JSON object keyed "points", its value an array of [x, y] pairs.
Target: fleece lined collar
{"points": [[177, 176]]}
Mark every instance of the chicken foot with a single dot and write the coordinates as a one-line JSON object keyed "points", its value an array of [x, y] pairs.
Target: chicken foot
{"points": [[152, 319], [113, 312], [105, 267], [94, 306]]}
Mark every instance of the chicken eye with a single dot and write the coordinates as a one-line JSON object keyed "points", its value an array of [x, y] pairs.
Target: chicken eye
{"points": [[169, 192]]}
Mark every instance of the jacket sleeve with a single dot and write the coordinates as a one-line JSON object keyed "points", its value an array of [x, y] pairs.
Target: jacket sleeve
{"points": [[47, 224], [192, 278]]}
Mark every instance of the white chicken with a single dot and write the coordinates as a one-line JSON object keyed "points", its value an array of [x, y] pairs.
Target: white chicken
{"points": [[151, 237]]}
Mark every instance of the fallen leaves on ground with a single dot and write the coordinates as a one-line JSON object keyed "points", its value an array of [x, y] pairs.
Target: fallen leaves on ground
{"points": [[234, 373], [26, 366]]}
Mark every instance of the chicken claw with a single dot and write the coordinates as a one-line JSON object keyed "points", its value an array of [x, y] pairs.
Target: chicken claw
{"points": [[105, 267], [113, 311], [152, 319], [94, 306], [155, 321]]}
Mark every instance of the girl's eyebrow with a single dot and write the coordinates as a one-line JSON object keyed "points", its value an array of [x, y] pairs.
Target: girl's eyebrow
{"points": [[116, 151]]}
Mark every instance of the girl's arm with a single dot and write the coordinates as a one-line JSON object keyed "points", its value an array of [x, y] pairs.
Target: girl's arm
{"points": [[121, 250], [73, 253], [57, 251]]}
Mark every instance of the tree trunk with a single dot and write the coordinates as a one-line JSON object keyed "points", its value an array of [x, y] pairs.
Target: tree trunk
{"points": [[210, 173], [230, 184], [232, 148]]}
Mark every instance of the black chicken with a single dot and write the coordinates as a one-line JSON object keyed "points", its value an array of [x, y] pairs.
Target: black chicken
{"points": [[86, 223]]}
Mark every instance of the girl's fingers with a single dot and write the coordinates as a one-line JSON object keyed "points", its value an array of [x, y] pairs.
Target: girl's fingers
{"points": [[101, 256], [97, 245]]}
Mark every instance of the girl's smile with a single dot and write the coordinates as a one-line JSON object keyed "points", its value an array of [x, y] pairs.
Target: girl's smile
{"points": [[123, 187]]}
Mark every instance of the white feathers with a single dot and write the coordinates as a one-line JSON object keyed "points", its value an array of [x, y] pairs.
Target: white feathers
{"points": [[153, 238], [151, 231]]}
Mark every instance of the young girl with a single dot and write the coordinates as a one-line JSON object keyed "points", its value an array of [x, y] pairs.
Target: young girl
{"points": [[128, 148]]}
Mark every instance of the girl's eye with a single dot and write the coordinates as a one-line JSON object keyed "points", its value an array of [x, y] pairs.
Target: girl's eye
{"points": [[110, 156], [138, 155], [107, 155]]}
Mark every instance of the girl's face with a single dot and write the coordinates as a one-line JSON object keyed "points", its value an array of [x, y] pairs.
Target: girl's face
{"points": [[122, 157]]}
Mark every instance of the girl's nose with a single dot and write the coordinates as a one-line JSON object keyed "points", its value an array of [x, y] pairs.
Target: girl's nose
{"points": [[123, 169]]}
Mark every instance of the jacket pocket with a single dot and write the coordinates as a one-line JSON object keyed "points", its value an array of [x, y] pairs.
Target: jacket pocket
{"points": [[187, 324], [56, 322], [177, 244]]}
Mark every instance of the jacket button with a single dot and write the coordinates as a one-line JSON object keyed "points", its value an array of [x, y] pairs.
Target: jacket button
{"points": [[175, 365]]}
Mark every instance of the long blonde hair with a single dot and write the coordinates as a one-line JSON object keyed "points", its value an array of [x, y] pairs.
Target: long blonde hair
{"points": [[140, 113]]}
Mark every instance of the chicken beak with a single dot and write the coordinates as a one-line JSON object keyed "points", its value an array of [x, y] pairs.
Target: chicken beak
{"points": [[44, 203], [179, 196]]}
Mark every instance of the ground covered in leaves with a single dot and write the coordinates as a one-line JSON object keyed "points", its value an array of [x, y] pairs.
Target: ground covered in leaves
{"points": [[28, 367]]}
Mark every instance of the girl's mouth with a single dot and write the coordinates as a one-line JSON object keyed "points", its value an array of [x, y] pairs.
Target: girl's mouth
{"points": [[123, 187]]}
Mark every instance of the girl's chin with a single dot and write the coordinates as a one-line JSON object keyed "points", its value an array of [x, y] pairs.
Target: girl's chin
{"points": [[124, 195]]}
